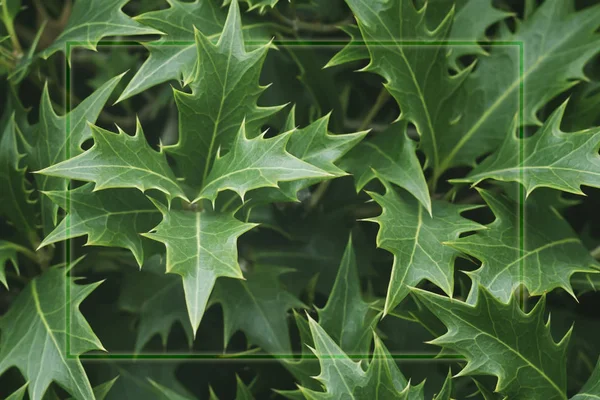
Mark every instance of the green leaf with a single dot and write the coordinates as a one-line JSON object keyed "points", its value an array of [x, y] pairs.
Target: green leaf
{"points": [[113, 218], [201, 247], [164, 393], [172, 57], [591, 390], [93, 20], [256, 163], [346, 317], [19, 393], [343, 378], [15, 204], [224, 93], [34, 328], [157, 298], [501, 340], [391, 155], [547, 257], [118, 160], [242, 393], [416, 241], [52, 143], [261, 5], [257, 306], [446, 391], [8, 252], [550, 158]]}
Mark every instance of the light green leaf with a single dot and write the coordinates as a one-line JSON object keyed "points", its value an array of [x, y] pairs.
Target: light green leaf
{"points": [[591, 390], [174, 55], [224, 92], [19, 393], [551, 252], [446, 390], [256, 163], [50, 139], [346, 317], [113, 218], [34, 328], [391, 155], [501, 340], [551, 158], [257, 306], [416, 241], [120, 161], [157, 298], [261, 5], [92, 20], [201, 247]]}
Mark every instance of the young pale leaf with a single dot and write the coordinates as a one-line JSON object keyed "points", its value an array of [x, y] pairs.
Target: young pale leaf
{"points": [[391, 155], [174, 55], [92, 20], [501, 340], [591, 390], [201, 246], [257, 306], [346, 316], [343, 378], [256, 163], [34, 328], [551, 251], [118, 160], [157, 298], [224, 92], [15, 204], [113, 217], [49, 145], [416, 241], [551, 158]]}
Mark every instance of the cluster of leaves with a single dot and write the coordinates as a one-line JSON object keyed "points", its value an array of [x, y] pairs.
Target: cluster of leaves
{"points": [[185, 199]]}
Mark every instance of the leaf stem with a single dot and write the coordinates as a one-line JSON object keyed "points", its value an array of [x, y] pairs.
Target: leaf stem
{"points": [[382, 98]]}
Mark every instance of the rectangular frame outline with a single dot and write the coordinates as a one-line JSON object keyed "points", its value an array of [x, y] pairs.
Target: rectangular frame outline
{"points": [[292, 356]]}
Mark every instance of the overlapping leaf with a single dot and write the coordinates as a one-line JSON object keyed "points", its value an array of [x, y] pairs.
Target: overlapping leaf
{"points": [[499, 339], [92, 20], [120, 161], [201, 247], [224, 93], [544, 259], [550, 158], [257, 306], [34, 329], [113, 218], [416, 240], [255, 163], [391, 155], [174, 55], [50, 139], [591, 390]]}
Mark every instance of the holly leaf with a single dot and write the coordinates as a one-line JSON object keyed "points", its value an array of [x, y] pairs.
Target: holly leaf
{"points": [[417, 241], [113, 218], [261, 5], [224, 92], [174, 55], [34, 328], [15, 204], [346, 317], [256, 163], [8, 252], [501, 340], [391, 155], [55, 141], [591, 390], [343, 378], [546, 258], [242, 391], [93, 20], [201, 247], [257, 306], [550, 158], [118, 160]]}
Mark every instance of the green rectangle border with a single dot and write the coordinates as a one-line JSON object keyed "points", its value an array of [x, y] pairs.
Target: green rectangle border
{"points": [[249, 356]]}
